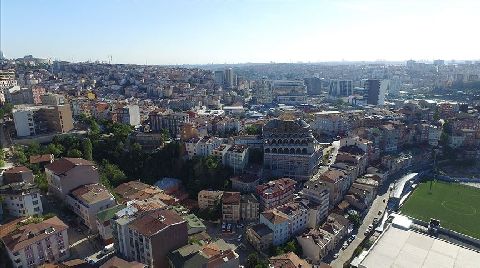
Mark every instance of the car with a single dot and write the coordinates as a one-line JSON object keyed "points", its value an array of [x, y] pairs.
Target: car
{"points": [[344, 246], [335, 255], [380, 212], [353, 236], [366, 232], [350, 239]]}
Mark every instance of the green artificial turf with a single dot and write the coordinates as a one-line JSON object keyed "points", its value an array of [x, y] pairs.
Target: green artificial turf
{"points": [[456, 206]]}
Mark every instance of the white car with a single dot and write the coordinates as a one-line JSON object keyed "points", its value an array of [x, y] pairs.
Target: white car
{"points": [[335, 256]]}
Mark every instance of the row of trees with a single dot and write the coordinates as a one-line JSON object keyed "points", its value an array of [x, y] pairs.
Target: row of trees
{"points": [[120, 159]]}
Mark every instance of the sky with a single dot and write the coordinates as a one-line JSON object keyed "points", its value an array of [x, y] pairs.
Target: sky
{"points": [[240, 31]]}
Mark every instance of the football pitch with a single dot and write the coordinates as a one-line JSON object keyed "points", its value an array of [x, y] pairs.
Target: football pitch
{"points": [[457, 206]]}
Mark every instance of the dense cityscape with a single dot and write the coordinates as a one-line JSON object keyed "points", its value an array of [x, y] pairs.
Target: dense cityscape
{"points": [[239, 134], [252, 165]]}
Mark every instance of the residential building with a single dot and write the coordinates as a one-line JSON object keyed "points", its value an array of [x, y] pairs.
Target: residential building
{"points": [[214, 254], [337, 182], [231, 206], [236, 157], [128, 114], [275, 193], [340, 88], [290, 149], [297, 214], [87, 200], [288, 260], [150, 237], [42, 159], [17, 174], [139, 191], [20, 199], [116, 262], [249, 207], [316, 244], [332, 123], [318, 195], [209, 199], [260, 237], [168, 120], [278, 223], [35, 120], [103, 220], [31, 244], [376, 90], [52, 99], [202, 147], [245, 183], [65, 174]]}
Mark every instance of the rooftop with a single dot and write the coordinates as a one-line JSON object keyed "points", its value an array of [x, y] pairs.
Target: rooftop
{"points": [[91, 193], [155, 221], [406, 248], [18, 233], [62, 165]]}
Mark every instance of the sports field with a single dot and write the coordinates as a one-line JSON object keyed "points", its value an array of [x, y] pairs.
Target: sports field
{"points": [[456, 206]]}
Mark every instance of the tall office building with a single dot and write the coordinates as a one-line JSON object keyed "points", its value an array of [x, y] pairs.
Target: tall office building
{"points": [[314, 85], [340, 88], [376, 90], [229, 78], [219, 77]]}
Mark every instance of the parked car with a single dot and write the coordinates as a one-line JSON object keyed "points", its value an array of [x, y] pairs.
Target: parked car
{"points": [[335, 255]]}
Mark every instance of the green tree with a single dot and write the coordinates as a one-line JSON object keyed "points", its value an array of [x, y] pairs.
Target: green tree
{"points": [[40, 180], [74, 153], [20, 156], [2, 157], [56, 149], [87, 149], [111, 175], [252, 260]]}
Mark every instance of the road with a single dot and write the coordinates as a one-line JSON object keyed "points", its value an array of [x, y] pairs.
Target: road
{"points": [[377, 205]]}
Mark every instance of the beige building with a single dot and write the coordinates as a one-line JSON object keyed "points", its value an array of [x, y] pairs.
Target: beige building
{"points": [[316, 244], [209, 199], [260, 237], [66, 174], [231, 206], [249, 207], [87, 200], [31, 244]]}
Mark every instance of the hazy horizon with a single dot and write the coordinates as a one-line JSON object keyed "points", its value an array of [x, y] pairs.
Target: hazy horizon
{"points": [[202, 32]]}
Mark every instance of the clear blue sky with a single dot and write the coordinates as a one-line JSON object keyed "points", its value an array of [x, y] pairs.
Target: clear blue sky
{"points": [[234, 31]]}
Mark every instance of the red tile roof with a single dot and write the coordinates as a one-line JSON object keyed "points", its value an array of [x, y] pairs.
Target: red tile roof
{"points": [[15, 170], [155, 221], [62, 165]]}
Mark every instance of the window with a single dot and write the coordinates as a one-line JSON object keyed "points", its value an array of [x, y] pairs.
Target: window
{"points": [[35, 202]]}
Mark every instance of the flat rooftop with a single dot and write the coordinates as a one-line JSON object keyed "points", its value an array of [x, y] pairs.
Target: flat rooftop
{"points": [[406, 248]]}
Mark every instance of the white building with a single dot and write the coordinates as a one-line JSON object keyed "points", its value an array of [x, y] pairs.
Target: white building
{"points": [[21, 199], [278, 223], [24, 121], [31, 244], [87, 200], [236, 157]]}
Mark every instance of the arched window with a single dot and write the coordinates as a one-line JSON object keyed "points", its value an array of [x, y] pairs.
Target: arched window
{"points": [[304, 151], [298, 151], [297, 141], [292, 141], [274, 150], [280, 150], [292, 151], [274, 141], [267, 151]]}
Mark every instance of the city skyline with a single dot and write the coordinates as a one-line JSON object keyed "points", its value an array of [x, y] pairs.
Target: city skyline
{"points": [[205, 32]]}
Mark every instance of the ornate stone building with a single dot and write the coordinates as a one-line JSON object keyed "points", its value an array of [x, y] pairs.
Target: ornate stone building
{"points": [[290, 150]]}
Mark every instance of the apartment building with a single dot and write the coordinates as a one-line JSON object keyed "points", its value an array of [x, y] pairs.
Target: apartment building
{"points": [[35, 120], [231, 206], [318, 196], [236, 157], [31, 244], [20, 199], [139, 191], [337, 182], [316, 244], [260, 236], [290, 150], [103, 221], [168, 120], [202, 147], [87, 200], [249, 207], [278, 223], [275, 193], [214, 254], [128, 114], [65, 174], [245, 183], [209, 199], [17, 174], [150, 237]]}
